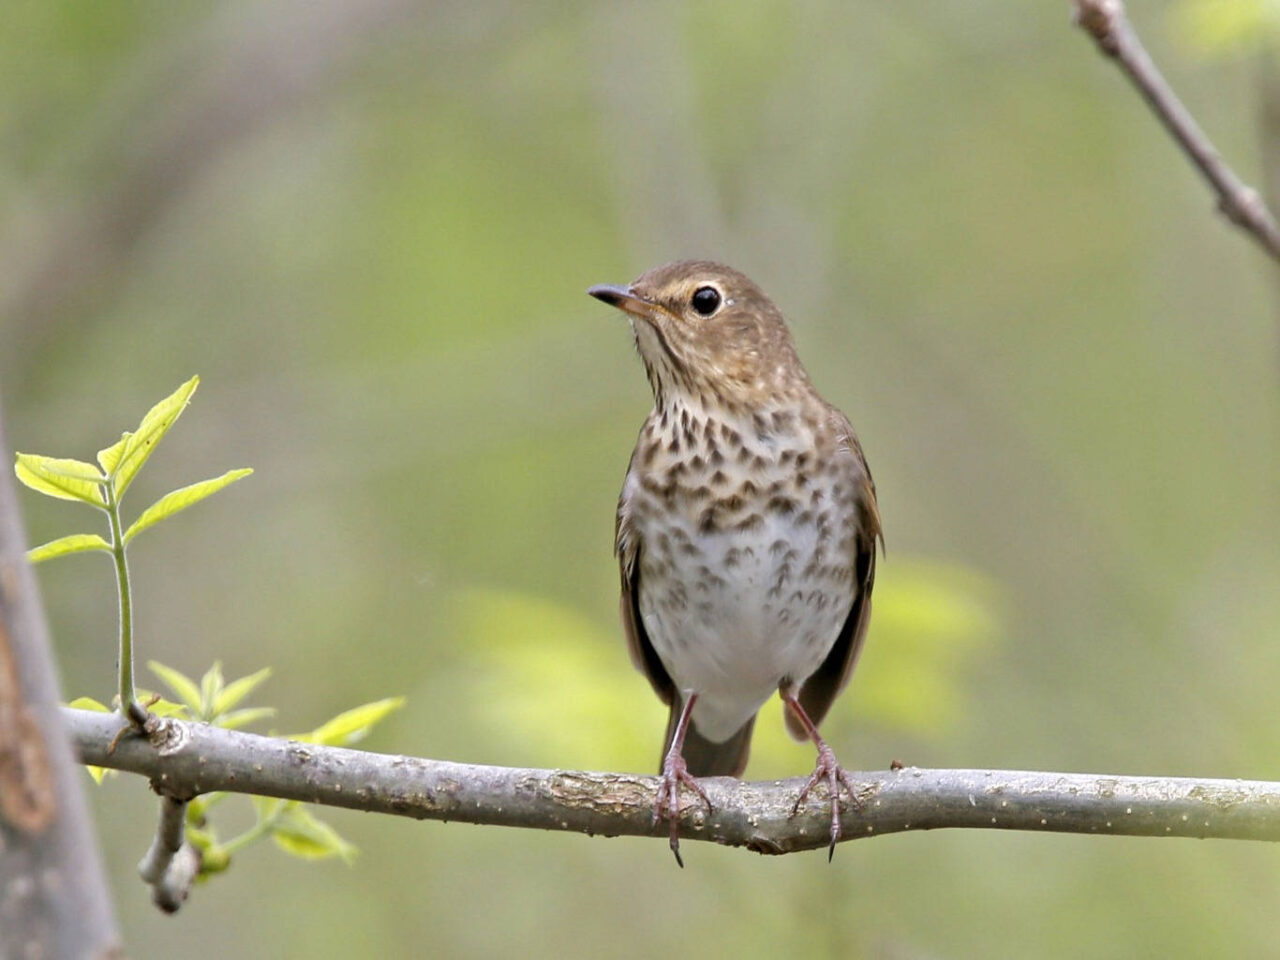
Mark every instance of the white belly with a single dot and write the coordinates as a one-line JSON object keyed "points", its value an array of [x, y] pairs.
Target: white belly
{"points": [[731, 615]]}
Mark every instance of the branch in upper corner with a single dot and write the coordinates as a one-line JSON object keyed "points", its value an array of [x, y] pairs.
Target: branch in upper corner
{"points": [[1108, 24], [194, 758]]}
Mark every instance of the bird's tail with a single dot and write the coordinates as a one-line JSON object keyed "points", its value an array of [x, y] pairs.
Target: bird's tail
{"points": [[706, 758]]}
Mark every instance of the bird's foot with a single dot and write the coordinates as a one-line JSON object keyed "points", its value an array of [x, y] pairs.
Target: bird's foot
{"points": [[667, 803], [828, 770]]}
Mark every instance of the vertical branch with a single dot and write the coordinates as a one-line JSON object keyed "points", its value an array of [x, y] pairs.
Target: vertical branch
{"points": [[171, 864], [53, 896]]}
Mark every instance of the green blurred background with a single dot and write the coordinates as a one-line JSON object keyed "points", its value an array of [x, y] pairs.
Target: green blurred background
{"points": [[369, 228]]}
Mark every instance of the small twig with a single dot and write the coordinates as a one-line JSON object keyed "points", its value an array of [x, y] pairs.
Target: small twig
{"points": [[171, 864], [196, 758], [140, 721], [1107, 23]]}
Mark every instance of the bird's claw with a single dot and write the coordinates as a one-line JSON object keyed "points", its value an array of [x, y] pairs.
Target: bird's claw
{"points": [[667, 802], [828, 770]]}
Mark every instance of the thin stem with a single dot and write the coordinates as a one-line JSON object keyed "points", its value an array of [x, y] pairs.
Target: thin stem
{"points": [[251, 836], [128, 698]]}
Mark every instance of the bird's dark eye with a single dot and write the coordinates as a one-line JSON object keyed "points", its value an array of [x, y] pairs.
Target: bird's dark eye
{"points": [[706, 300]]}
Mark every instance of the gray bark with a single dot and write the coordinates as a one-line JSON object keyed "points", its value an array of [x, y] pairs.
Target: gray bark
{"points": [[186, 759], [54, 900]]}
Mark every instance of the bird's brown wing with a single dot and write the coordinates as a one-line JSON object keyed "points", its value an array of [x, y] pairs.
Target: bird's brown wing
{"points": [[628, 546], [820, 690]]}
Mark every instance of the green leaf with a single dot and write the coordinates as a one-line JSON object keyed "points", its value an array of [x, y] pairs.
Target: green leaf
{"points": [[136, 448], [178, 500], [110, 457], [214, 860], [165, 708], [299, 833], [200, 839], [266, 807], [242, 718], [88, 703], [353, 724], [210, 687], [183, 687], [73, 470], [198, 808], [159, 706], [64, 479], [237, 690], [75, 543]]}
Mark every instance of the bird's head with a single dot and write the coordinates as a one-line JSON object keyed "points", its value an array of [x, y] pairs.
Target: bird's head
{"points": [[706, 332]]}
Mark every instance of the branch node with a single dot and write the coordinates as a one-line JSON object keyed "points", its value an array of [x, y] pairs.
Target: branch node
{"points": [[1101, 20], [139, 721], [1244, 208], [166, 735]]}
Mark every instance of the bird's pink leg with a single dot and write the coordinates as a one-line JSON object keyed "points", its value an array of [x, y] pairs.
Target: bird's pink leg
{"points": [[827, 768], [674, 773]]}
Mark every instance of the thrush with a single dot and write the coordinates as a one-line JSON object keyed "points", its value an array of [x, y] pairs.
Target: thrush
{"points": [[746, 530]]}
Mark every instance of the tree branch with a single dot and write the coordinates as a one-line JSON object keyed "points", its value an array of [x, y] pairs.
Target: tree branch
{"points": [[187, 759], [1107, 23]]}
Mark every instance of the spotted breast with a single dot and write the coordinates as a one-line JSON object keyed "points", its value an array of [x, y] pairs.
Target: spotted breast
{"points": [[748, 572]]}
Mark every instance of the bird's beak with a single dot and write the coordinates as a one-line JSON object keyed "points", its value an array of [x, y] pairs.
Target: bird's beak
{"points": [[624, 299]]}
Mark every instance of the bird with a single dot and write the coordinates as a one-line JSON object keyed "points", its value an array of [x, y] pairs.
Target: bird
{"points": [[746, 530]]}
